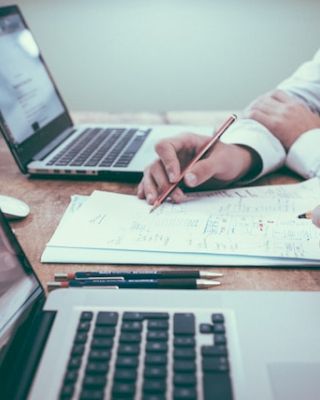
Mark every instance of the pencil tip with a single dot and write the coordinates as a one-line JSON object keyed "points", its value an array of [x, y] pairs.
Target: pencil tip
{"points": [[153, 208]]}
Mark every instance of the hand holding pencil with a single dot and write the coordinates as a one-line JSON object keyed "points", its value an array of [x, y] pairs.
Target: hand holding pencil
{"points": [[314, 215], [220, 165]]}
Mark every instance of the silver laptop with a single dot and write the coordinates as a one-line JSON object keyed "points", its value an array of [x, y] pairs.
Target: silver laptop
{"points": [[37, 127], [152, 344]]}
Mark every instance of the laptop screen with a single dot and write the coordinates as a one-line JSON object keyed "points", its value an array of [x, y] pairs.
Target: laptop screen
{"points": [[19, 287], [28, 99]]}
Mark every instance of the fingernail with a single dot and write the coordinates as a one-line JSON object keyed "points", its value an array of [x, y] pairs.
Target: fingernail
{"points": [[171, 177], [191, 179], [150, 198]]}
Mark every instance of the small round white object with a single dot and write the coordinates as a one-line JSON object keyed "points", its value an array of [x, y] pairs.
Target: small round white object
{"points": [[13, 208]]}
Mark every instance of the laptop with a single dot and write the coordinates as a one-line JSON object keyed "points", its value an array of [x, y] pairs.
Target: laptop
{"points": [[37, 126], [152, 344]]}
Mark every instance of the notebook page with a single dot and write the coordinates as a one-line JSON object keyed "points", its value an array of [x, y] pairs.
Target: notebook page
{"points": [[208, 224]]}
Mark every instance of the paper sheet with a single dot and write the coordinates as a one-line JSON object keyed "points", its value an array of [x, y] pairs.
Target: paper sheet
{"points": [[260, 222]]}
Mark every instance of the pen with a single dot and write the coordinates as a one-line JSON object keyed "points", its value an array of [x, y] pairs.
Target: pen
{"points": [[201, 153], [138, 284], [138, 275]]}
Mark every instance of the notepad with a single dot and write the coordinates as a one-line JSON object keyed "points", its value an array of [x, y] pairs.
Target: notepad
{"points": [[243, 226]]}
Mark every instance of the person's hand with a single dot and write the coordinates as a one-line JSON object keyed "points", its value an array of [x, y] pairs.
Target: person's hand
{"points": [[226, 163], [286, 117], [316, 216]]}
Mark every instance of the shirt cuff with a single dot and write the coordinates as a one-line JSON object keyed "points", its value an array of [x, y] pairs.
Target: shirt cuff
{"points": [[252, 134], [304, 156]]}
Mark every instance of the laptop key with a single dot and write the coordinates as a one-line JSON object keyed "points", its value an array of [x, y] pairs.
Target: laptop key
{"points": [[184, 379], [155, 372], [213, 351], [181, 353], [184, 366], [74, 363], [132, 316], [67, 391], [130, 349], [186, 394], [155, 359], [99, 355], [123, 389], [216, 364], [77, 350], [184, 324], [71, 376], [218, 328], [127, 362], [157, 386], [84, 326], [130, 337], [96, 394], [157, 335], [156, 347], [101, 343], [131, 326], [219, 338], [94, 381], [80, 338], [158, 324], [97, 368], [104, 331], [219, 384], [181, 341], [107, 318], [153, 396], [125, 374], [217, 318]]}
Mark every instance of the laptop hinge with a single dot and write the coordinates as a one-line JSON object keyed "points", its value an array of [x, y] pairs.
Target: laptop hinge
{"points": [[27, 358], [53, 144]]}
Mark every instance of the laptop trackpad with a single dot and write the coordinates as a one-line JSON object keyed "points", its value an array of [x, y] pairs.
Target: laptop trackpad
{"points": [[295, 381]]}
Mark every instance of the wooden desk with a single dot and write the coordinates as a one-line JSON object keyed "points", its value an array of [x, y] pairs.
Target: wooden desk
{"points": [[48, 200]]}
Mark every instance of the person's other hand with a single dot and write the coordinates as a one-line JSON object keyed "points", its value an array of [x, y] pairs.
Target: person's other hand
{"points": [[286, 117], [316, 216], [226, 163]]}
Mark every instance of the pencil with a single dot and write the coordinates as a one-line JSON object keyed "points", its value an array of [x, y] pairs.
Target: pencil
{"points": [[216, 136], [306, 215]]}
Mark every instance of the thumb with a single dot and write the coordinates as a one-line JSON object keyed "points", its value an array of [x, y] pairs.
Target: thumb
{"points": [[202, 171]]}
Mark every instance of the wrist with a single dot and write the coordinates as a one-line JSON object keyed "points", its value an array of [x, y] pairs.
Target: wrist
{"points": [[251, 163]]}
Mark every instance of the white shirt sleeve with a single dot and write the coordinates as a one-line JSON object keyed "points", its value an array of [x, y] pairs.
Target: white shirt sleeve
{"points": [[252, 134], [304, 155], [304, 83]]}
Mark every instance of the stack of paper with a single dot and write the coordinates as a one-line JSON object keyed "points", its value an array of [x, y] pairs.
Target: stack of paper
{"points": [[244, 226]]}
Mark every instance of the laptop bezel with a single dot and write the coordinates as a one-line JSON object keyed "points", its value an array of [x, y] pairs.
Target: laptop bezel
{"points": [[25, 152]]}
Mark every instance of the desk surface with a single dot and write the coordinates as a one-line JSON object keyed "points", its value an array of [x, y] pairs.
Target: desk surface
{"points": [[48, 200]]}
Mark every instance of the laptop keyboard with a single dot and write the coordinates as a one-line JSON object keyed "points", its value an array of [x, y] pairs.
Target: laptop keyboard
{"points": [[111, 147], [148, 356]]}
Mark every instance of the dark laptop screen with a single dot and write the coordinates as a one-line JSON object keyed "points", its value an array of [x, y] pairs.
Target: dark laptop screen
{"points": [[28, 99], [19, 287]]}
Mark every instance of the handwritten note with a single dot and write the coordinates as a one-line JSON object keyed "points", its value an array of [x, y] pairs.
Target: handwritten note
{"points": [[258, 221]]}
